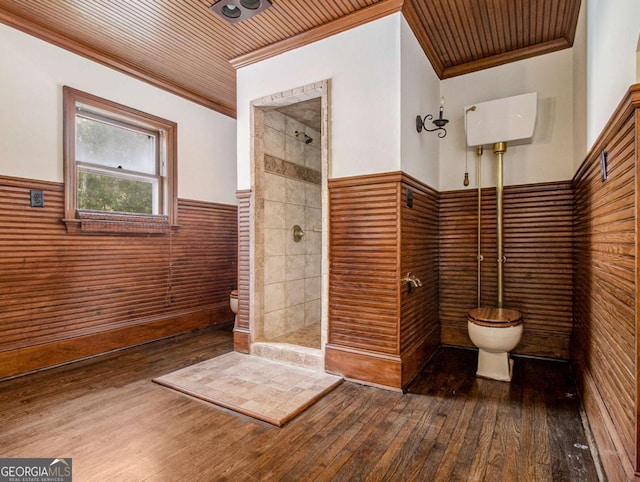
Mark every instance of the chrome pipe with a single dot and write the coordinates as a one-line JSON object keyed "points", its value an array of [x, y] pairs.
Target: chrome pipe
{"points": [[499, 148]]}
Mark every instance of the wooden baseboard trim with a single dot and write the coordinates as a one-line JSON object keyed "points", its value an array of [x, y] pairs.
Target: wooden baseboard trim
{"points": [[241, 340], [370, 368], [414, 359], [30, 359]]}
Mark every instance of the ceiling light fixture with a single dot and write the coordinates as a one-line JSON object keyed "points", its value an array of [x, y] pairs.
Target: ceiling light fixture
{"points": [[234, 11]]}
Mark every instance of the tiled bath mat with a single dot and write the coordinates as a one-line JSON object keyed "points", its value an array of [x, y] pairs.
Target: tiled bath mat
{"points": [[270, 391]]}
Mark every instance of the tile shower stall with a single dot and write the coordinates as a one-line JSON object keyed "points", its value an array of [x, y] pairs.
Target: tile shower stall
{"points": [[292, 197]]}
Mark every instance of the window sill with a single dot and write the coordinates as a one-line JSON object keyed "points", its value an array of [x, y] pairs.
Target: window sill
{"points": [[89, 222]]}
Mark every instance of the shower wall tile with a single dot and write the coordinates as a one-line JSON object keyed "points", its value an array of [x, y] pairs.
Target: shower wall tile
{"points": [[274, 187], [314, 134], [294, 317], [291, 126], [312, 289], [312, 265], [295, 191], [274, 215], [312, 157], [313, 196], [291, 170], [295, 214], [274, 297], [313, 243], [275, 120], [294, 150], [292, 194], [312, 312], [275, 323], [313, 219], [291, 247], [274, 242], [294, 292], [273, 141], [295, 267], [274, 271]]}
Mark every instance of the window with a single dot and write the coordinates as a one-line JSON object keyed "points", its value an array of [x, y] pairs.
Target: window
{"points": [[120, 167]]}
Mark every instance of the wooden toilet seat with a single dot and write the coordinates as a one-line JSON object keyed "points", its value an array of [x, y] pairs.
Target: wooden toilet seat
{"points": [[495, 317]]}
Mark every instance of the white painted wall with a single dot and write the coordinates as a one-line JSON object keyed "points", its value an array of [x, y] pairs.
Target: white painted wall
{"points": [[420, 86], [363, 65], [578, 89], [549, 157], [32, 73], [638, 62], [579, 49], [613, 28]]}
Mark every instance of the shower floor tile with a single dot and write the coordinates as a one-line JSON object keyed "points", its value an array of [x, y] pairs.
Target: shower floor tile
{"points": [[308, 336]]}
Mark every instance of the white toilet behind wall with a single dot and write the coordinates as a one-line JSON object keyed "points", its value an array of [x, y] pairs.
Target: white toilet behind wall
{"points": [[233, 304]]}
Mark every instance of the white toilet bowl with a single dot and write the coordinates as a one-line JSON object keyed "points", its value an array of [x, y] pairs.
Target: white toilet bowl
{"points": [[495, 331], [233, 303]]}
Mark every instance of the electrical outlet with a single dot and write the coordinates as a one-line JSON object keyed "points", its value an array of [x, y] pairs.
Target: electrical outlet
{"points": [[37, 198], [409, 198]]}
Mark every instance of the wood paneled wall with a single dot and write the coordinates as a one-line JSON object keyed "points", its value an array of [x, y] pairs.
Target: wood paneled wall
{"points": [[241, 335], [538, 244], [364, 277], [604, 346], [419, 234], [376, 333], [68, 296]]}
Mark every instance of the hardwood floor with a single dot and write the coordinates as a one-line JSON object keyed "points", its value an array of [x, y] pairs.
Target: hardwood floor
{"points": [[116, 424]]}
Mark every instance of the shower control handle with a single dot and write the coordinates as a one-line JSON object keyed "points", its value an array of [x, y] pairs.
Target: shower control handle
{"points": [[297, 233]]}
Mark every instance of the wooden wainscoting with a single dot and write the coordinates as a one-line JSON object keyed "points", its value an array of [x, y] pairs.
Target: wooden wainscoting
{"points": [[538, 244], [376, 333], [68, 296], [604, 346], [419, 327], [364, 279], [241, 337]]}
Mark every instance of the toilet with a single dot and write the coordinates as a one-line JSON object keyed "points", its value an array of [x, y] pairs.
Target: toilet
{"points": [[495, 331], [233, 303]]}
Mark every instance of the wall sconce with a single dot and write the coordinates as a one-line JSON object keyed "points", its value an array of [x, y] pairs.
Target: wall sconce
{"points": [[234, 11], [439, 123]]}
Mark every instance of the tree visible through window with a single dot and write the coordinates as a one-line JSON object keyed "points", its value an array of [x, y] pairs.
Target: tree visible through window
{"points": [[118, 166], [118, 161]]}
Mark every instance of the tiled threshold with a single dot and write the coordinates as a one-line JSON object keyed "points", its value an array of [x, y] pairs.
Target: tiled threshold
{"points": [[296, 355]]}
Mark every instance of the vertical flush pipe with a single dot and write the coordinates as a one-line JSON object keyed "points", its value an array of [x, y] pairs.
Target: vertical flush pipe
{"points": [[479, 256], [499, 148]]}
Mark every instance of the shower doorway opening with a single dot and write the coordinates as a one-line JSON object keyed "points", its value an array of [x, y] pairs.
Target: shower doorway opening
{"points": [[289, 308]]}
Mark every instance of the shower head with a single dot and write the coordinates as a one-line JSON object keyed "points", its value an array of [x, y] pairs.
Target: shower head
{"points": [[305, 138], [472, 108]]}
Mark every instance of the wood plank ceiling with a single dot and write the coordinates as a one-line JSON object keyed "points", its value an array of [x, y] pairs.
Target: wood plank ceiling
{"points": [[183, 47]]}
